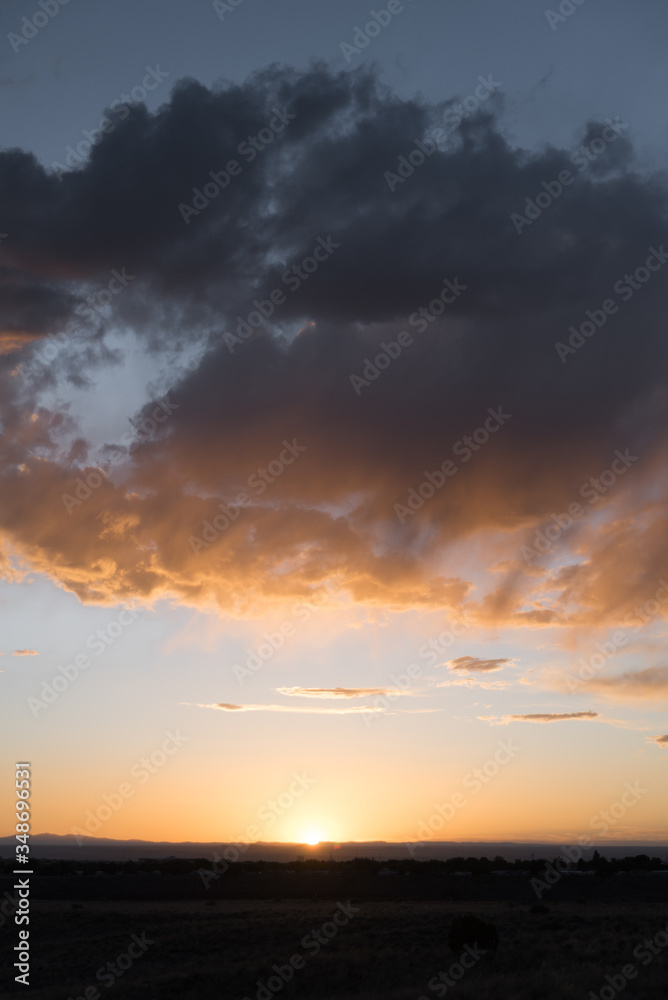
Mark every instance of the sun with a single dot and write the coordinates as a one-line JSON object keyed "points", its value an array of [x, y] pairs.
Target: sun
{"points": [[311, 837]]}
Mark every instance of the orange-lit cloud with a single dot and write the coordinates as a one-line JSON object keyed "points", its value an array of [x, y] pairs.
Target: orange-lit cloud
{"points": [[661, 741], [337, 692], [540, 717], [361, 496], [646, 685], [13, 340], [472, 664]]}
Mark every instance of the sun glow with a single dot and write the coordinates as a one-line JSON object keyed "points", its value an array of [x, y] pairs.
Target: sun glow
{"points": [[312, 837]]}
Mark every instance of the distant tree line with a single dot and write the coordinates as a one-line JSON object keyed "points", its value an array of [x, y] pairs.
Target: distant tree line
{"points": [[399, 866]]}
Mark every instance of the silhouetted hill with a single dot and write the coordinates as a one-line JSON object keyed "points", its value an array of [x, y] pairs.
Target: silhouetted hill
{"points": [[52, 846]]}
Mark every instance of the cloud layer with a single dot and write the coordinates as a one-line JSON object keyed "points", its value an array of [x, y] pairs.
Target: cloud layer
{"points": [[310, 218], [650, 684]]}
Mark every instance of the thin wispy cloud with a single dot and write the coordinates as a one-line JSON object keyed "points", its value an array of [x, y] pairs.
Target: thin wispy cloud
{"points": [[336, 692], [661, 741], [474, 665], [502, 720], [24, 652], [548, 717], [473, 682], [312, 709], [648, 684], [303, 710]]}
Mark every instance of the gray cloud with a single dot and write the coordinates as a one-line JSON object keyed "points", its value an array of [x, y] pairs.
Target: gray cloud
{"points": [[322, 177]]}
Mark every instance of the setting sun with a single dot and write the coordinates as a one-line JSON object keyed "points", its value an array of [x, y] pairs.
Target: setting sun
{"points": [[312, 837]]}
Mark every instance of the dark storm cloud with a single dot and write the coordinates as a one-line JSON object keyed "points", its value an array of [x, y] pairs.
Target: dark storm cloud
{"points": [[351, 256], [121, 209]]}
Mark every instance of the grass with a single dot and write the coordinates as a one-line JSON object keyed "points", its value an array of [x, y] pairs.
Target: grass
{"points": [[387, 951]]}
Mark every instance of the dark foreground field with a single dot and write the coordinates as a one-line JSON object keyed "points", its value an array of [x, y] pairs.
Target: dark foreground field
{"points": [[388, 950]]}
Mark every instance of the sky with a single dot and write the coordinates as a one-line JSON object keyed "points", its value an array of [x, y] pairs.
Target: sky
{"points": [[333, 405]]}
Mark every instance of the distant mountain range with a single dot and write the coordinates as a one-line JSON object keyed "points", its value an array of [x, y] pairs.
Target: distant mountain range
{"points": [[51, 846]]}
